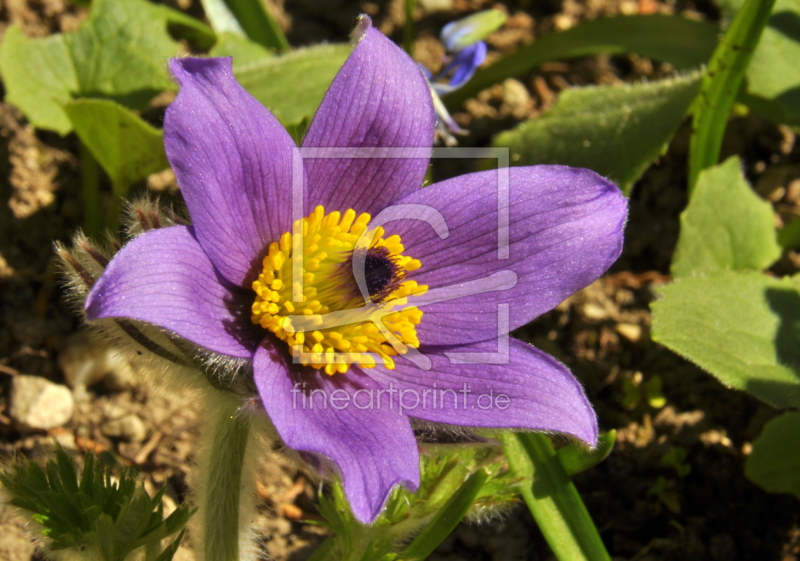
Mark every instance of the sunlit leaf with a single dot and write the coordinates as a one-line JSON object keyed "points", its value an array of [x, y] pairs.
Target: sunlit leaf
{"points": [[616, 131], [293, 85], [119, 53], [736, 235], [742, 327], [243, 50], [125, 146]]}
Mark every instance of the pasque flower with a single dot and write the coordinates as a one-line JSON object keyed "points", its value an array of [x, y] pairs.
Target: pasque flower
{"points": [[346, 321]]}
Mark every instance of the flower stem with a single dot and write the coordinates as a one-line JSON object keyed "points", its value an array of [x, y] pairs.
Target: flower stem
{"points": [[553, 500], [91, 192], [221, 479], [721, 83], [408, 30]]}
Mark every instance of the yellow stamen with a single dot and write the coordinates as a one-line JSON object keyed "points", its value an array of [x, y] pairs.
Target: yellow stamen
{"points": [[316, 335]]}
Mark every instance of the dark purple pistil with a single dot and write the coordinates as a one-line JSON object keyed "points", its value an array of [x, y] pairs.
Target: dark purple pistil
{"points": [[382, 273]]}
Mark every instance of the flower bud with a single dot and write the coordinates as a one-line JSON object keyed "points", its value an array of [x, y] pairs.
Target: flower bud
{"points": [[461, 34]]}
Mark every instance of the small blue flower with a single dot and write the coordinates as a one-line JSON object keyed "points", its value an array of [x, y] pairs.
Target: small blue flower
{"points": [[464, 40]]}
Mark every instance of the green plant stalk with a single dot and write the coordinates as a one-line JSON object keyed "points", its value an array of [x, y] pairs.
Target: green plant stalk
{"points": [[91, 192], [721, 84], [446, 519], [408, 29], [219, 500], [258, 24], [552, 499]]}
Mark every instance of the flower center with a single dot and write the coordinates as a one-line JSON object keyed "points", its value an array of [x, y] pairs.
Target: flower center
{"points": [[336, 292]]}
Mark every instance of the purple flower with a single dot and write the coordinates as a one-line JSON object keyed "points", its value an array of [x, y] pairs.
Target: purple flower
{"points": [[227, 282]]}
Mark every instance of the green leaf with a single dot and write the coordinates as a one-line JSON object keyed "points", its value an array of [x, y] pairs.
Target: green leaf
{"points": [[126, 147], [684, 43], [774, 463], [445, 519], [742, 327], [552, 498], [186, 27], [789, 235], [737, 235], [221, 18], [258, 24], [171, 549], [119, 53], [293, 85], [773, 77], [39, 78], [615, 130], [576, 458], [721, 83], [243, 51]]}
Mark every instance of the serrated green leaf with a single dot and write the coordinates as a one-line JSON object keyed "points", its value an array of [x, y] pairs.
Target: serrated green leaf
{"points": [[774, 463], [293, 85], [177, 520], [125, 146], [171, 549], [615, 130], [66, 470], [119, 53], [742, 327], [773, 77], [684, 43], [737, 235], [87, 486], [576, 458]]}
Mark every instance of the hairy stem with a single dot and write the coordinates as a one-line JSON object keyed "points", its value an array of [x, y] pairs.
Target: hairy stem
{"points": [[220, 482]]}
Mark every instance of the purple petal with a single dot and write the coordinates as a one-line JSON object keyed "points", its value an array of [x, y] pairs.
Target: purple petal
{"points": [[529, 390], [373, 449], [565, 228], [232, 160], [380, 98], [163, 277]]}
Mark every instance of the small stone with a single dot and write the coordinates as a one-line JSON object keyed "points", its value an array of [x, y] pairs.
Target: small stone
{"points": [[593, 311], [431, 6], [84, 364], [81, 362], [630, 331], [38, 404], [514, 93], [129, 428]]}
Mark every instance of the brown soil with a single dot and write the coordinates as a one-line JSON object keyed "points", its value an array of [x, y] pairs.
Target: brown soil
{"points": [[673, 488]]}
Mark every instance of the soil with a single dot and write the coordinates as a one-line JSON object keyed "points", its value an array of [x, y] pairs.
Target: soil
{"points": [[673, 487]]}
